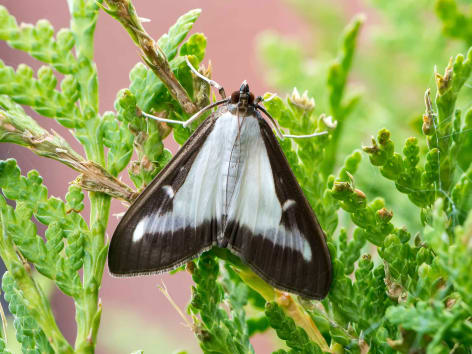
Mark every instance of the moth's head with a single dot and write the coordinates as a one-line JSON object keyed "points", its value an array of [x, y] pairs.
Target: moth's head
{"points": [[243, 97], [244, 87]]}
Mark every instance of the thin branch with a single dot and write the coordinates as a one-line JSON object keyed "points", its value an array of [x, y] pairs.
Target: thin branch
{"points": [[96, 179], [163, 289], [4, 324], [285, 300], [294, 310], [153, 56], [23, 130]]}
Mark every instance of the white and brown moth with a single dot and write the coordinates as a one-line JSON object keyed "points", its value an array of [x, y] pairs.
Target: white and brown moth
{"points": [[230, 186]]}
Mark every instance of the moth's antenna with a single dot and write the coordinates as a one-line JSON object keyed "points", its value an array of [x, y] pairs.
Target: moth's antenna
{"points": [[280, 134], [210, 82]]}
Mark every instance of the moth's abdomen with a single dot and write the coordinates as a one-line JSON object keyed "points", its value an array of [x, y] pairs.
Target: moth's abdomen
{"points": [[231, 173]]}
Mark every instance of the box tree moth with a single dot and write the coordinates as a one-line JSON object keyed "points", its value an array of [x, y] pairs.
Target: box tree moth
{"points": [[229, 185]]}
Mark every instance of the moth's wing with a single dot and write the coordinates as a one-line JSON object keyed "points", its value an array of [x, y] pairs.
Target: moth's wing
{"points": [[271, 225], [161, 230]]}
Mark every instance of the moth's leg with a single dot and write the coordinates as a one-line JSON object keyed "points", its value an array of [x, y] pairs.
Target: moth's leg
{"points": [[185, 123], [328, 121], [210, 82], [280, 134], [160, 119]]}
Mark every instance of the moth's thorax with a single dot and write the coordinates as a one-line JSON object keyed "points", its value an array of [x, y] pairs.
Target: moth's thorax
{"points": [[242, 110], [242, 102]]}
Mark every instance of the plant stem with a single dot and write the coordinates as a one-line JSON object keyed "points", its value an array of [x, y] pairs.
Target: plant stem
{"points": [[302, 319], [88, 309], [287, 302], [88, 306]]}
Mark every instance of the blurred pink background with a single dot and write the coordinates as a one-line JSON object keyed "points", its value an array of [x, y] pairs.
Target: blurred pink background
{"points": [[135, 314]]}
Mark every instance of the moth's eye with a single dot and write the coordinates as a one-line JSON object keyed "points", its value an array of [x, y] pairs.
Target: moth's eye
{"points": [[251, 98], [235, 97]]}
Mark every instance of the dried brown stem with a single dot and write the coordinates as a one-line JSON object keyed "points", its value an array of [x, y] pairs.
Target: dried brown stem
{"points": [[95, 179], [23, 130], [153, 56]]}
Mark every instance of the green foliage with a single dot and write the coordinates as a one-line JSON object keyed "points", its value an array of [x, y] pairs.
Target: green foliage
{"points": [[40, 93], [170, 42], [28, 333], [391, 291], [438, 309], [455, 23], [39, 41], [417, 183], [151, 94], [217, 331], [63, 221]]}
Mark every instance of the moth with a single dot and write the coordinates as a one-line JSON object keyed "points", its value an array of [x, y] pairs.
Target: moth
{"points": [[229, 185]]}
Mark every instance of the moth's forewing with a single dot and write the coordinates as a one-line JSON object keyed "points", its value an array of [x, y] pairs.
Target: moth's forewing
{"points": [[147, 239], [294, 256]]}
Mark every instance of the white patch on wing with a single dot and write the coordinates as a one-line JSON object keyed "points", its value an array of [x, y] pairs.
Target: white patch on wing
{"points": [[307, 251], [169, 191], [288, 203], [140, 229]]}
